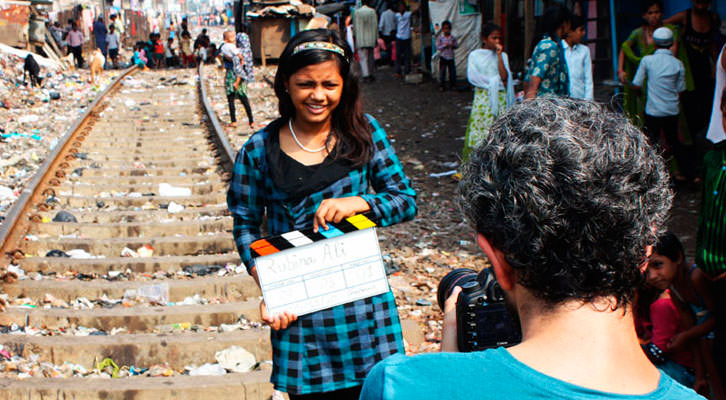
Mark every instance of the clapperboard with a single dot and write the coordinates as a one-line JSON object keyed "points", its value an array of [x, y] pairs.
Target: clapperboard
{"points": [[305, 271]]}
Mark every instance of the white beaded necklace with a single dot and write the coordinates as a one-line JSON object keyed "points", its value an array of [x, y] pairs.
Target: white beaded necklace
{"points": [[289, 124]]}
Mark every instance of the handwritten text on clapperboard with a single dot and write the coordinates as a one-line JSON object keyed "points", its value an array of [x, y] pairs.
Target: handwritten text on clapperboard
{"points": [[323, 274]]}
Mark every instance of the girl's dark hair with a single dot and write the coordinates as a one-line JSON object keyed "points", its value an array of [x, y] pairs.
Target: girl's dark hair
{"points": [[350, 128], [669, 246], [447, 22], [645, 5], [576, 21], [489, 28]]}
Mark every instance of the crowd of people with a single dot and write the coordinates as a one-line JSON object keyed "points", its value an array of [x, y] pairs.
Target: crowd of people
{"points": [[569, 202]]}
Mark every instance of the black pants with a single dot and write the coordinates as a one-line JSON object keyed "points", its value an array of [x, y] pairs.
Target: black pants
{"points": [[77, 55], [342, 394], [403, 56], [669, 126], [245, 102], [444, 65]]}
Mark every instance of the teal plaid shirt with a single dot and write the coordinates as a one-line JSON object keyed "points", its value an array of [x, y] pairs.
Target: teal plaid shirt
{"points": [[334, 348]]}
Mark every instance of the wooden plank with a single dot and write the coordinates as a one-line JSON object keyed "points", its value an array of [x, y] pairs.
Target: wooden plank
{"points": [[528, 27]]}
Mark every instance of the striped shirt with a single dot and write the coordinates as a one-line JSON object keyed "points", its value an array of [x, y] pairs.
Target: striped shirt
{"points": [[334, 348]]}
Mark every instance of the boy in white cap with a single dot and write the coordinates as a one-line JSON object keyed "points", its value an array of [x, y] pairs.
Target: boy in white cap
{"points": [[666, 80]]}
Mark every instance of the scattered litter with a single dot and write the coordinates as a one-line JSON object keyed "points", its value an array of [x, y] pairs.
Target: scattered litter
{"points": [[174, 208], [208, 370], [168, 190], [235, 359], [64, 216]]}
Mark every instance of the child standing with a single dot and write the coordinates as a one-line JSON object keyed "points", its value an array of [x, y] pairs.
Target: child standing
{"points": [[445, 45], [488, 71], [666, 80], [234, 83], [158, 50], [170, 53], [579, 63], [186, 49], [113, 41]]}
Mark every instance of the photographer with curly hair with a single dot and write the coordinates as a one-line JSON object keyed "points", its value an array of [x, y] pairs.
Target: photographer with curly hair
{"points": [[564, 197]]}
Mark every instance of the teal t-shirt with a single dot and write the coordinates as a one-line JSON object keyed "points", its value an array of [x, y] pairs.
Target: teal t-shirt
{"points": [[485, 375]]}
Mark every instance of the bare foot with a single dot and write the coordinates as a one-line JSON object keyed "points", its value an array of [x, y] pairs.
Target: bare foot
{"points": [[252, 126], [232, 125]]}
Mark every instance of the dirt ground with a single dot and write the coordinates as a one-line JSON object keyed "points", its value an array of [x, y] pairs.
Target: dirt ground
{"points": [[427, 130]]}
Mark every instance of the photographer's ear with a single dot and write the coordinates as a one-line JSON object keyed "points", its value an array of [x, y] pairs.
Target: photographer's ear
{"points": [[502, 269]]}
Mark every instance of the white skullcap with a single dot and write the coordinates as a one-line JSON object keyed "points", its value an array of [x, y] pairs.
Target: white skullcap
{"points": [[663, 37]]}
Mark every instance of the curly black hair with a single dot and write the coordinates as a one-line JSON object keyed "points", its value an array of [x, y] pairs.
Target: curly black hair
{"points": [[571, 194]]}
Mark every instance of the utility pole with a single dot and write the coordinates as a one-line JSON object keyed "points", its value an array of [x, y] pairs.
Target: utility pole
{"points": [[528, 27]]}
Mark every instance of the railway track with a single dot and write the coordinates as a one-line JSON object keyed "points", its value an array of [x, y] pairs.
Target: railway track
{"points": [[144, 176]]}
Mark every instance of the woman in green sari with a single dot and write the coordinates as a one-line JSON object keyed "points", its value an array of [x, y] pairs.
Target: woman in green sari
{"points": [[638, 45]]}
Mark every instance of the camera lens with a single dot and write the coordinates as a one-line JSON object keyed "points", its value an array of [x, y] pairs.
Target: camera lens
{"points": [[457, 277]]}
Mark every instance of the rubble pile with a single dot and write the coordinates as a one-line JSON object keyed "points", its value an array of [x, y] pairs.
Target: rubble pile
{"points": [[33, 120]]}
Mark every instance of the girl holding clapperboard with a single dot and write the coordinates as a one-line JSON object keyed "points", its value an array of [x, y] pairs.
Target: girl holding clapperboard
{"points": [[314, 165]]}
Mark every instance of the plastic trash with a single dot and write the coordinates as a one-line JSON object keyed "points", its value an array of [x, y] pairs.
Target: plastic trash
{"points": [[108, 366], [201, 270], [168, 190], [64, 216], [208, 370], [126, 252], [154, 294], [79, 253], [235, 359], [174, 208], [145, 251], [6, 193], [56, 253]]}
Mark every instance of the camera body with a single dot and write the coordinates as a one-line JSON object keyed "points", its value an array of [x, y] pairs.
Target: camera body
{"points": [[483, 319]]}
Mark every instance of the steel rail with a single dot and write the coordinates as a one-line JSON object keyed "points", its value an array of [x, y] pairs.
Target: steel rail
{"points": [[227, 151], [10, 226]]}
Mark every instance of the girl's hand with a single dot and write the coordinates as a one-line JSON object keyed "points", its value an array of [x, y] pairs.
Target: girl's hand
{"points": [[334, 210], [236, 86], [499, 49], [281, 321]]}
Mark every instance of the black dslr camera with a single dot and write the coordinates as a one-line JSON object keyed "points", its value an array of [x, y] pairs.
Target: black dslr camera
{"points": [[483, 320]]}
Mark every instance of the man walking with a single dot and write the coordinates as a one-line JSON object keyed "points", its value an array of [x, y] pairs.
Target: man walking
{"points": [[365, 28]]}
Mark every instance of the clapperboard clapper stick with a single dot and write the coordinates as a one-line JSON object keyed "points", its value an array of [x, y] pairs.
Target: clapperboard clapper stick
{"points": [[304, 271]]}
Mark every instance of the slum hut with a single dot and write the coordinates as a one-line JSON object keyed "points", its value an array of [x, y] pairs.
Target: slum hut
{"points": [[273, 23]]}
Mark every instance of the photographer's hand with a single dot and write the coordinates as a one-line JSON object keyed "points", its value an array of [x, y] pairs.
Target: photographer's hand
{"points": [[448, 333]]}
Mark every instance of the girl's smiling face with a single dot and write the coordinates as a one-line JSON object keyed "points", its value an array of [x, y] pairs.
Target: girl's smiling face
{"points": [[315, 91]]}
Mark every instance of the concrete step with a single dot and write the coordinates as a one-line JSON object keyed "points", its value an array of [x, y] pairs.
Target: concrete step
{"points": [[143, 180], [107, 231], [80, 188], [108, 216], [236, 287], [138, 319], [248, 386], [140, 350], [91, 202], [151, 151], [148, 171], [167, 157], [202, 161], [112, 247], [147, 265]]}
